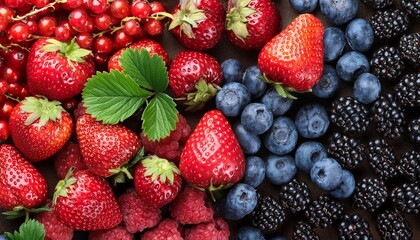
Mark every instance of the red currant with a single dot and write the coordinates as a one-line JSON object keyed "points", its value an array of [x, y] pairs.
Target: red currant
{"points": [[4, 131], [11, 75], [103, 44], [14, 3], [78, 18], [140, 9], [18, 32], [153, 27], [103, 21], [70, 104], [4, 87], [120, 8], [40, 3], [46, 26], [64, 32], [6, 109], [14, 90], [97, 6], [32, 26], [122, 39], [101, 58], [17, 58], [84, 40], [23, 93], [6, 15], [156, 7], [132, 27]]}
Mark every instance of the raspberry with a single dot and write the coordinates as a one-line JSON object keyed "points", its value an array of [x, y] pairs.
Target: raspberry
{"points": [[67, 157], [79, 111], [171, 146], [54, 229], [218, 230], [191, 206], [137, 215], [167, 229], [119, 232]]}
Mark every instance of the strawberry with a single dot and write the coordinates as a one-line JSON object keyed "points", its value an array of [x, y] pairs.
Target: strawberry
{"points": [[58, 70], [21, 185], [293, 59], [68, 157], [151, 46], [193, 77], [212, 157], [84, 201], [39, 128], [104, 147], [250, 24], [198, 24], [157, 181]]}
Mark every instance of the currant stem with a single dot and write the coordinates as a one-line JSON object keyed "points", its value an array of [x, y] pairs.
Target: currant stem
{"points": [[35, 11]]}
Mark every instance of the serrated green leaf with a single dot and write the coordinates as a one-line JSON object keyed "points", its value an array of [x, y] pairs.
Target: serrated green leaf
{"points": [[148, 71], [159, 117], [113, 97], [31, 229]]}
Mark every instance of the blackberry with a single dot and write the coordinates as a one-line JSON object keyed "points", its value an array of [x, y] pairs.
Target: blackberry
{"points": [[388, 116], [304, 231], [389, 23], [324, 212], [370, 194], [387, 63], [295, 195], [392, 225], [349, 115], [413, 129], [268, 215], [409, 47], [382, 159], [378, 4], [407, 91], [407, 198], [409, 165], [349, 152], [354, 227], [411, 7]]}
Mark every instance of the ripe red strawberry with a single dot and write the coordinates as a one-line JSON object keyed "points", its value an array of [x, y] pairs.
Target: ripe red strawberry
{"points": [[212, 156], [194, 76], [58, 70], [151, 46], [54, 229], [157, 181], [85, 202], [20, 183], [250, 24], [68, 157], [39, 128], [117, 233], [293, 59], [198, 24], [105, 148]]}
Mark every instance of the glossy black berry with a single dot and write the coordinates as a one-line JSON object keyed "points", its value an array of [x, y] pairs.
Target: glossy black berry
{"points": [[387, 63], [370, 194], [409, 47], [382, 159], [304, 231], [406, 197], [348, 151], [268, 215], [354, 227], [324, 212], [295, 195], [392, 225], [388, 116], [349, 115], [409, 165], [413, 129], [389, 23], [407, 91]]}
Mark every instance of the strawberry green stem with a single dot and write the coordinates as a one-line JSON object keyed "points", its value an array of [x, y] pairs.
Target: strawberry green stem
{"points": [[62, 185]]}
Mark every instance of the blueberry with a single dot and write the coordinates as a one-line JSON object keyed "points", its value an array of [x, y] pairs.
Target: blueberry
{"points": [[240, 201], [281, 138], [252, 79], [308, 153], [366, 88], [326, 174], [249, 233], [256, 118], [339, 12], [312, 120], [346, 188], [304, 6], [279, 237], [334, 43], [254, 171], [232, 99], [280, 169], [250, 143], [328, 84], [2, 237], [277, 104], [351, 65], [359, 35], [231, 70]]}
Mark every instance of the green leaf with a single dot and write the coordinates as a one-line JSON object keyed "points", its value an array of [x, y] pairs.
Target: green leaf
{"points": [[113, 97], [148, 71], [31, 229], [159, 117]]}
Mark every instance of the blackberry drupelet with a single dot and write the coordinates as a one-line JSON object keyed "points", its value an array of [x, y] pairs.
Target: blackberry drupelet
{"points": [[324, 212], [407, 197], [411, 7], [388, 116], [387, 63], [389, 23], [268, 215], [413, 128], [382, 159], [378, 4], [409, 47], [409, 165], [349, 115], [392, 225], [348, 151], [370, 194], [407, 91], [304, 231], [295, 195], [354, 227]]}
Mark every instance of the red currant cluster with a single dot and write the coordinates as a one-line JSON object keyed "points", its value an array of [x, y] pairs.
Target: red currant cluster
{"points": [[102, 26]]}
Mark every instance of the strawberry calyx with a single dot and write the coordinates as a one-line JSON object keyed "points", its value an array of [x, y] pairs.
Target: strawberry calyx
{"points": [[281, 89], [196, 100], [40, 108], [161, 168], [62, 185], [236, 19], [72, 51], [187, 17], [21, 211], [121, 174]]}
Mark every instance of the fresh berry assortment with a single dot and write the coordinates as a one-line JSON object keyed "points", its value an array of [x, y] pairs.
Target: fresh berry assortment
{"points": [[142, 120]]}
